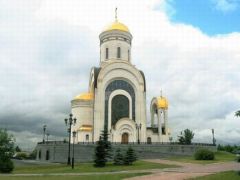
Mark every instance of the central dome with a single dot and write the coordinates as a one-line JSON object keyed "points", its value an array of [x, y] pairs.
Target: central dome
{"points": [[116, 26]]}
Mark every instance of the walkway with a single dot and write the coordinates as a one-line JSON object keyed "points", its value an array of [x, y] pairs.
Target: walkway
{"points": [[187, 170]]}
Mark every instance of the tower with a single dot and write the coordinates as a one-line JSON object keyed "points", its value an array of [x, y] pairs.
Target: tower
{"points": [[115, 43]]}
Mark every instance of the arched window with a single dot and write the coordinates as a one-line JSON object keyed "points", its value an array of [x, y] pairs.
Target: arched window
{"points": [[118, 52], [120, 108], [87, 137], [47, 155], [114, 85], [106, 53], [39, 154], [128, 55]]}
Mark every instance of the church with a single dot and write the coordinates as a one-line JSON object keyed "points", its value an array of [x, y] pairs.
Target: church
{"points": [[116, 97]]}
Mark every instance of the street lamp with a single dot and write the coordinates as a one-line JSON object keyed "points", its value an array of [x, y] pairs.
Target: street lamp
{"points": [[214, 140], [44, 131], [47, 136], [69, 122], [138, 127], [74, 136]]}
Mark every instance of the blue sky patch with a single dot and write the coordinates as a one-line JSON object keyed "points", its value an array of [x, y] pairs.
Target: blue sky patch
{"points": [[211, 16]]}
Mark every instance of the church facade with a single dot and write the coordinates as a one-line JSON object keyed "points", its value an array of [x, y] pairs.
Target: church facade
{"points": [[116, 97]]}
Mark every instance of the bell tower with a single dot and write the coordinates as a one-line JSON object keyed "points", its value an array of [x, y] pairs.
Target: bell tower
{"points": [[115, 42]]}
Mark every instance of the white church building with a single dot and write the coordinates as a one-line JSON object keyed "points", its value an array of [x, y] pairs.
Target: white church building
{"points": [[116, 97]]}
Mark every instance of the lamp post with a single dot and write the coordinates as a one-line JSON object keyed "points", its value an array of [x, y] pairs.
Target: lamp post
{"points": [[47, 136], [44, 131], [138, 127], [69, 122], [214, 140], [74, 136]]}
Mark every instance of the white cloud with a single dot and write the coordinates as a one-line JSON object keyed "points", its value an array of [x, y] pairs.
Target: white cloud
{"points": [[46, 56], [226, 5]]}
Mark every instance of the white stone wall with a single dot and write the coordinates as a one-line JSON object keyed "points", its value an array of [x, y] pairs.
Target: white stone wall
{"points": [[124, 71], [112, 50], [154, 136], [83, 111]]}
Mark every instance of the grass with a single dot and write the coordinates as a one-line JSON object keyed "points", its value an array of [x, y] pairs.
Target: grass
{"points": [[88, 177], [220, 156], [228, 175], [88, 167]]}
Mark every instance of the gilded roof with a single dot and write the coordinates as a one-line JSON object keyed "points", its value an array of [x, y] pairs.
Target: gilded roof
{"points": [[162, 102], [116, 25], [84, 96]]}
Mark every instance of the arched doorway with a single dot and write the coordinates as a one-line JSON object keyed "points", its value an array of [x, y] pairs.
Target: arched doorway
{"points": [[149, 140], [125, 138]]}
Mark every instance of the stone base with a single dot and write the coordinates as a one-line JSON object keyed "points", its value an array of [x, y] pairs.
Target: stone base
{"points": [[58, 151]]}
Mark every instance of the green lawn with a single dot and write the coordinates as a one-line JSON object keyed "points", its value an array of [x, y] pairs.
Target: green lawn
{"points": [[220, 156], [90, 177], [229, 175], [88, 167]]}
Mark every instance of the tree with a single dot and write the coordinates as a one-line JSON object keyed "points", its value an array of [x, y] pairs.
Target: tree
{"points": [[100, 154], [107, 144], [186, 137], [6, 151], [17, 149], [118, 158], [102, 150], [237, 113], [130, 156]]}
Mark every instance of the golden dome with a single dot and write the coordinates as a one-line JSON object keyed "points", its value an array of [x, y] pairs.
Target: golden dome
{"points": [[85, 128], [117, 26], [84, 96], [162, 102]]}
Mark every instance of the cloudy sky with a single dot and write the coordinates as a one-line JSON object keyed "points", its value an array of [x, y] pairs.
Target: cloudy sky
{"points": [[189, 49]]}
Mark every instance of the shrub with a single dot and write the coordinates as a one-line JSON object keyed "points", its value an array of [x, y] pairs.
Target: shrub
{"points": [[6, 165], [204, 154], [118, 158], [21, 155], [238, 159], [130, 156]]}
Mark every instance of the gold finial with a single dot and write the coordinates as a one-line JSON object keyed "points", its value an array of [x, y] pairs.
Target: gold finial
{"points": [[116, 14]]}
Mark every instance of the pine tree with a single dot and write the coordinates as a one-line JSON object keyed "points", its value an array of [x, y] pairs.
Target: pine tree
{"points": [[100, 154], [130, 156], [102, 150], [118, 158], [107, 144]]}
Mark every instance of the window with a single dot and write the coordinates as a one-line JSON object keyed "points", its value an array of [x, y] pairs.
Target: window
{"points": [[128, 55], [118, 52], [87, 137], [106, 53], [47, 155], [39, 154]]}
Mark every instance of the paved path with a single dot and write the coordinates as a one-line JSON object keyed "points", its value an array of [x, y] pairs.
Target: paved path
{"points": [[187, 170]]}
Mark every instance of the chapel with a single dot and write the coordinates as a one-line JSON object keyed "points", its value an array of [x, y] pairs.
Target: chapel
{"points": [[116, 96]]}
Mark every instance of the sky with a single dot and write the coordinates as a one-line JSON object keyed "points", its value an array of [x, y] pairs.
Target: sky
{"points": [[189, 49]]}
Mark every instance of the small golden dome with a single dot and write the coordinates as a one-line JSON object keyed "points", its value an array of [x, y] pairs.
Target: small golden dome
{"points": [[84, 96], [86, 128], [162, 102], [116, 26]]}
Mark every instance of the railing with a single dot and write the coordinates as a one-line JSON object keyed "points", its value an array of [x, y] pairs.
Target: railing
{"points": [[131, 143]]}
